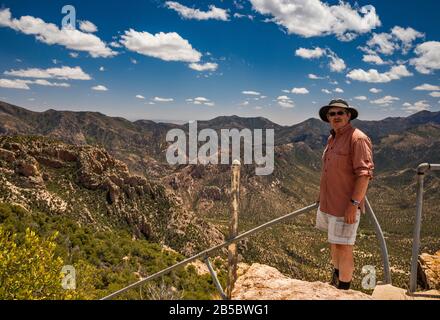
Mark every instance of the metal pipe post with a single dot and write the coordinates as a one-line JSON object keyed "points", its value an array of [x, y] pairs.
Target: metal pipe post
{"points": [[233, 228], [382, 242]]}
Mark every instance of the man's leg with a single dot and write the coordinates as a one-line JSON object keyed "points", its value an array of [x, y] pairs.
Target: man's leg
{"points": [[335, 255], [345, 263], [335, 262]]}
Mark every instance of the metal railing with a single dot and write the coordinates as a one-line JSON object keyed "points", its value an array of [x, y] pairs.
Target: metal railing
{"points": [[204, 255], [422, 170]]}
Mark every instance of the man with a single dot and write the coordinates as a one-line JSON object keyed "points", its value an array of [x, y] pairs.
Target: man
{"points": [[347, 168]]}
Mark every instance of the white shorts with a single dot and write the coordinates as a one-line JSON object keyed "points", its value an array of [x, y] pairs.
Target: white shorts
{"points": [[338, 231]]}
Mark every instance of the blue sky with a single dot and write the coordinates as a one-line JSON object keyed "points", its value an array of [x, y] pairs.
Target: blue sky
{"points": [[193, 60]]}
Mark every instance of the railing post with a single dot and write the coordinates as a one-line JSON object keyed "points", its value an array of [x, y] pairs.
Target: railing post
{"points": [[214, 278], [233, 228], [418, 224], [382, 243], [422, 169]]}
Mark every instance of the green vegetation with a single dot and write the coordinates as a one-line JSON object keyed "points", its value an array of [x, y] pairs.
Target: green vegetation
{"points": [[105, 261]]}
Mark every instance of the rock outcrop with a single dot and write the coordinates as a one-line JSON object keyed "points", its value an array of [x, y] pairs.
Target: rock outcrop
{"points": [[429, 271], [90, 185], [261, 282]]}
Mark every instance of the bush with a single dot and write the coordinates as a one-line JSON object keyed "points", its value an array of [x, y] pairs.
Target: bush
{"points": [[29, 269]]}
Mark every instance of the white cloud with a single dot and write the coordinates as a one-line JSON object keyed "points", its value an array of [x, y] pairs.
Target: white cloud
{"points": [[427, 87], [326, 91], [190, 13], [239, 15], [387, 43], [285, 102], [383, 43], [50, 34], [23, 84], [209, 66], [417, 106], [201, 101], [166, 46], [14, 84], [373, 76], [99, 88], [300, 91], [336, 64], [115, 44], [373, 58], [310, 53], [429, 57], [88, 26], [140, 97], [435, 94], [374, 90], [75, 73], [315, 77], [159, 99], [362, 98], [406, 36], [251, 93], [385, 101], [42, 82], [338, 90], [309, 18]]}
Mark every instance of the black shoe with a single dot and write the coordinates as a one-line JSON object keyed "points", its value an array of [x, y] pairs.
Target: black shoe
{"points": [[344, 285]]}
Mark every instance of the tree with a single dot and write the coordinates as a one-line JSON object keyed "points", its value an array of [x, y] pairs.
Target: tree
{"points": [[29, 269]]}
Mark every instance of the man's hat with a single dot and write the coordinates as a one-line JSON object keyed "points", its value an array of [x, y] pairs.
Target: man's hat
{"points": [[339, 103]]}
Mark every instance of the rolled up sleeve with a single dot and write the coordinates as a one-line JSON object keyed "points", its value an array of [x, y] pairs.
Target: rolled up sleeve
{"points": [[363, 164]]}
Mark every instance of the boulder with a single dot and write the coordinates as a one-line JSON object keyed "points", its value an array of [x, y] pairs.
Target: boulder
{"points": [[261, 282], [429, 271], [27, 167], [7, 155]]}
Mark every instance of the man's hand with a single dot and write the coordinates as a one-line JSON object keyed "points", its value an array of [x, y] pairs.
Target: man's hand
{"points": [[350, 214]]}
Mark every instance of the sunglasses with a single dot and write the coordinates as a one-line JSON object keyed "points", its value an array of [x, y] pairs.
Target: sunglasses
{"points": [[339, 113]]}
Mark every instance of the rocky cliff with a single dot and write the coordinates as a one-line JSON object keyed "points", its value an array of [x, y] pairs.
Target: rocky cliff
{"points": [[93, 188]]}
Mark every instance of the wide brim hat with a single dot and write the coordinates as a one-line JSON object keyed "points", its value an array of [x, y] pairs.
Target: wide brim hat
{"points": [[337, 104]]}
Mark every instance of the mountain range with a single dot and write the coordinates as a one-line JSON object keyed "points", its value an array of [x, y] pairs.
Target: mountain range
{"points": [[400, 144]]}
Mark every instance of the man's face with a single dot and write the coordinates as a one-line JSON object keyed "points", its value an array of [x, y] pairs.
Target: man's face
{"points": [[336, 119]]}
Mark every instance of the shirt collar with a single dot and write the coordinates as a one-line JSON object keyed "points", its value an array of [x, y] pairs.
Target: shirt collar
{"points": [[342, 130]]}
